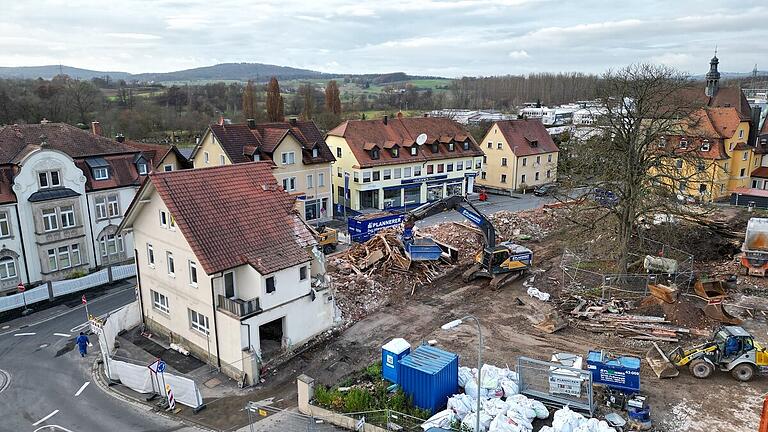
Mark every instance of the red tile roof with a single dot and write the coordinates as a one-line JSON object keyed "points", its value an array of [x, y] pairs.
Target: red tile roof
{"points": [[750, 191], [362, 135], [726, 97], [761, 172], [240, 142], [233, 215], [122, 172], [155, 153], [521, 135], [6, 184]]}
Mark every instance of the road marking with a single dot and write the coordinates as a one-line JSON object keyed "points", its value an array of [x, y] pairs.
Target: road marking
{"points": [[5, 327], [82, 388], [43, 345], [45, 418], [52, 428], [62, 334], [6, 380], [25, 334]]}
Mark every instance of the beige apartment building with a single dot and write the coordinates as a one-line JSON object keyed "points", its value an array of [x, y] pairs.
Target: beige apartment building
{"points": [[519, 155], [296, 149], [226, 268]]}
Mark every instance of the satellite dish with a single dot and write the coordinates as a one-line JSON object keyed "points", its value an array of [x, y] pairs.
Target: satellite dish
{"points": [[421, 139]]}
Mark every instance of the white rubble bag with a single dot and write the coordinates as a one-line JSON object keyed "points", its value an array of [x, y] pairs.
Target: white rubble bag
{"points": [[470, 420], [541, 295], [461, 405], [494, 407], [465, 376], [509, 387], [502, 423], [442, 419]]}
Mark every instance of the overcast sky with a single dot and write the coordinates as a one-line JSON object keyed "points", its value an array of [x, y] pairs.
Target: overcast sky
{"points": [[426, 37]]}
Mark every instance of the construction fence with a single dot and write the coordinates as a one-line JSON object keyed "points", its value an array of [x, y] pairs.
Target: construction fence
{"points": [[584, 272], [53, 289]]}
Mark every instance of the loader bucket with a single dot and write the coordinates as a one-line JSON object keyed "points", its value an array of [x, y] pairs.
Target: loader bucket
{"points": [[660, 363], [717, 312]]}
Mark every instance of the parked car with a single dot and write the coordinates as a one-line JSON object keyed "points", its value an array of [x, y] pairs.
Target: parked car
{"points": [[545, 189]]}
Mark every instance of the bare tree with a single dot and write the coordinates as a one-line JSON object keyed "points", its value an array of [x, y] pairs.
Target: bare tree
{"points": [[249, 101], [628, 155], [84, 98], [275, 110]]}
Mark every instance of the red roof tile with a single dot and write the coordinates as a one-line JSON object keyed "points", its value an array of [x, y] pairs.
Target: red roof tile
{"points": [[726, 97], [361, 135], [6, 184], [233, 215], [523, 133], [761, 172], [155, 153], [233, 137]]}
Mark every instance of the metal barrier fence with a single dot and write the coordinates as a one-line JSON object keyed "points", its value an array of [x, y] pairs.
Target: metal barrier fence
{"points": [[54, 289], [391, 420], [265, 418], [556, 384]]}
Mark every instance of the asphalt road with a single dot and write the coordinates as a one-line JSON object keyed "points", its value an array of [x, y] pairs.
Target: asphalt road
{"points": [[47, 386]]}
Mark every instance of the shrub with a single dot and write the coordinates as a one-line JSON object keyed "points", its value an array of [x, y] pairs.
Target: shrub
{"points": [[357, 400]]}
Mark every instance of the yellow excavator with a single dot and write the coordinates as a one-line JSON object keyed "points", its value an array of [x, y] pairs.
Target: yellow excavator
{"points": [[730, 349]]}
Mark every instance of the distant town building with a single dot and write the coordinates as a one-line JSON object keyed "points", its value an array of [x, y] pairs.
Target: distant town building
{"points": [[469, 117]]}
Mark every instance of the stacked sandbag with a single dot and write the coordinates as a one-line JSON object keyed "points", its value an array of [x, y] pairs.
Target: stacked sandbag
{"points": [[566, 420], [461, 405]]}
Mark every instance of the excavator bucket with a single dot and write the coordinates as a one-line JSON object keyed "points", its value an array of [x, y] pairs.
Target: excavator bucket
{"points": [[660, 363], [717, 312]]}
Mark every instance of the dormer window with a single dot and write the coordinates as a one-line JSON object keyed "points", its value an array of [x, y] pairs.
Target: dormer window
{"points": [[315, 152], [49, 179], [100, 173], [434, 148], [662, 142], [375, 153], [99, 168], [414, 150], [683, 143], [705, 145], [141, 167], [395, 152], [534, 143], [466, 145], [450, 146]]}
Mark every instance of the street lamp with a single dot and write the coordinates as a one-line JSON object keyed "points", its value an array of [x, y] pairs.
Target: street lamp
{"points": [[456, 323]]}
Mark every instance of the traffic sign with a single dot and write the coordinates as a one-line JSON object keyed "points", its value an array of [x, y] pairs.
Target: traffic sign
{"points": [[21, 287], [161, 366], [153, 366], [360, 424]]}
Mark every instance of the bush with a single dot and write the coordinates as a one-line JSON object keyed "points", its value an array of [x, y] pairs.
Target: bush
{"points": [[357, 400]]}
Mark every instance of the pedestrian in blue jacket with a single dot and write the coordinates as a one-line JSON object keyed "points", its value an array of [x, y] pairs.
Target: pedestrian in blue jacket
{"points": [[82, 343]]}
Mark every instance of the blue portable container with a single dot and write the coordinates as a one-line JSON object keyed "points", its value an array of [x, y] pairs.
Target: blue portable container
{"points": [[620, 373], [430, 376], [363, 227], [391, 353]]}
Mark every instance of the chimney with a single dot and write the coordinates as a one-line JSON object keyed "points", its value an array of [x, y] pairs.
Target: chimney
{"points": [[221, 121], [120, 138], [386, 119], [96, 128], [251, 123], [399, 114], [292, 121]]}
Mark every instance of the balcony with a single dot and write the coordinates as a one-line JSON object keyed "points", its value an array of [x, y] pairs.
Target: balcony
{"points": [[238, 308]]}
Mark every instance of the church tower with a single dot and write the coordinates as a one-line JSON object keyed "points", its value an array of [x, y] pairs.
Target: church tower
{"points": [[713, 77]]}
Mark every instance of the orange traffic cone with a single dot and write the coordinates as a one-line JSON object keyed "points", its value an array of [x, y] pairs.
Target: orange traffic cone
{"points": [[764, 417]]}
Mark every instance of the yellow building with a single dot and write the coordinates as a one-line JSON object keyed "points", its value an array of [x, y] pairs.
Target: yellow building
{"points": [[162, 157], [300, 156], [519, 154], [402, 162]]}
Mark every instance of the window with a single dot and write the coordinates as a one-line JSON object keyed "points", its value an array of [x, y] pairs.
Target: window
{"points": [[205, 157], [525, 161], [289, 184], [67, 214], [229, 285], [430, 169], [171, 264], [376, 175], [417, 170], [315, 153], [49, 220], [503, 178], [549, 158], [440, 168], [338, 151], [5, 225], [169, 167], [700, 166], [482, 175], [113, 206], [538, 160], [111, 244], [310, 181], [705, 145], [397, 173], [522, 178], [742, 172], [395, 152], [198, 322], [478, 163], [466, 145], [142, 168], [366, 176], [270, 284], [498, 146], [375, 153], [192, 273], [468, 164], [356, 176], [48, 179], [449, 167], [549, 173], [163, 219], [101, 208], [662, 142], [434, 148], [100, 173], [320, 179], [160, 302], [741, 133], [679, 164], [150, 255], [702, 188], [744, 156], [450, 146], [338, 172], [414, 150], [459, 166], [683, 143], [7, 268], [75, 248], [52, 260], [387, 174], [407, 172], [683, 186], [287, 158], [490, 144], [503, 161], [303, 273], [64, 258], [536, 176]]}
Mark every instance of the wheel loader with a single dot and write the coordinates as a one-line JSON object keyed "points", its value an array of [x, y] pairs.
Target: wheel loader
{"points": [[730, 349]]}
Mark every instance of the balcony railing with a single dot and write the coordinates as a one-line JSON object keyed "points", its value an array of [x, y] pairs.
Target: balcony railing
{"points": [[237, 307]]}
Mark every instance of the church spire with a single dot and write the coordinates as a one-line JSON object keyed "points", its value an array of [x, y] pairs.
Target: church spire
{"points": [[713, 77]]}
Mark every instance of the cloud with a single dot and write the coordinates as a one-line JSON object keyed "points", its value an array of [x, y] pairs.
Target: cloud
{"points": [[133, 36], [518, 55]]}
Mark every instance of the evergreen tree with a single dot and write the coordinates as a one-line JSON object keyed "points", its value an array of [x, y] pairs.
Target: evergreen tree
{"points": [[332, 98], [249, 101], [274, 101]]}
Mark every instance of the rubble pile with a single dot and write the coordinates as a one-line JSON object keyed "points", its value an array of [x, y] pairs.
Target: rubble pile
{"points": [[368, 274], [528, 225], [467, 239]]}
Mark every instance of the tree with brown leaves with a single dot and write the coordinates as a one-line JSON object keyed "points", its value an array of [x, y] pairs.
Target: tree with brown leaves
{"points": [[275, 111], [332, 98], [249, 101]]}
